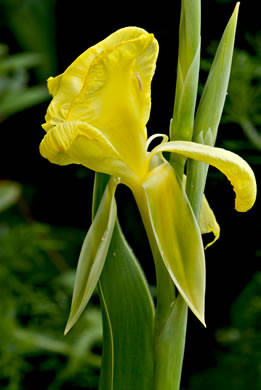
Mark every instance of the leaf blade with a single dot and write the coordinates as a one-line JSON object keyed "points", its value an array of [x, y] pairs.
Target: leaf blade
{"points": [[213, 98], [93, 254], [128, 316]]}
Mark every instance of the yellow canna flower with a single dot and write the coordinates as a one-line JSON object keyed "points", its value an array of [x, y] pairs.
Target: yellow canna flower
{"points": [[97, 118], [102, 96], [100, 108]]}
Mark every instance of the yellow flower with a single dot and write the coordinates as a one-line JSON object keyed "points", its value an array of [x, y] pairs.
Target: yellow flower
{"points": [[101, 105], [100, 108], [97, 118]]}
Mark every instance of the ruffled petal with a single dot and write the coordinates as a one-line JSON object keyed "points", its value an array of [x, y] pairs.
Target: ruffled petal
{"points": [[108, 87], [234, 167], [75, 142]]}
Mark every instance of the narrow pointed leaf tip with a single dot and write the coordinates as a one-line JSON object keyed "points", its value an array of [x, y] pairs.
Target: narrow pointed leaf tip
{"points": [[93, 254], [237, 170], [215, 90]]}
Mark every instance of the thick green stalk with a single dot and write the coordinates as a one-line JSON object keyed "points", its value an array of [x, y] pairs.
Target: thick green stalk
{"points": [[169, 347], [181, 127], [170, 351], [210, 110], [196, 177], [170, 317]]}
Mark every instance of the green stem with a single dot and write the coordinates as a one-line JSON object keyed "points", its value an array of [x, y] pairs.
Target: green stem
{"points": [[195, 186], [181, 128], [169, 347], [170, 318], [196, 176], [182, 123]]}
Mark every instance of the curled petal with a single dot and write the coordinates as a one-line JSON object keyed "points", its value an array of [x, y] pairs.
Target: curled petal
{"points": [[208, 222], [234, 167], [154, 136], [76, 142]]}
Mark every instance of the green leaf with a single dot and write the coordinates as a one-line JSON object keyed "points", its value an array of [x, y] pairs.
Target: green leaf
{"points": [[18, 61], [93, 254], [169, 347], [128, 316], [215, 90], [127, 312], [18, 100], [177, 235]]}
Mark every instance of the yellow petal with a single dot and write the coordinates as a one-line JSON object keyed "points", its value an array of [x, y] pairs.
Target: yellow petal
{"points": [[234, 167], [75, 142], [108, 87], [208, 222], [53, 84], [177, 235]]}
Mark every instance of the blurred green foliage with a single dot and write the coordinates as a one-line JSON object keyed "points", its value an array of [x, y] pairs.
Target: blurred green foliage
{"points": [[36, 286], [239, 357], [9, 194], [15, 93], [36, 275], [23, 75], [32, 23], [244, 95]]}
